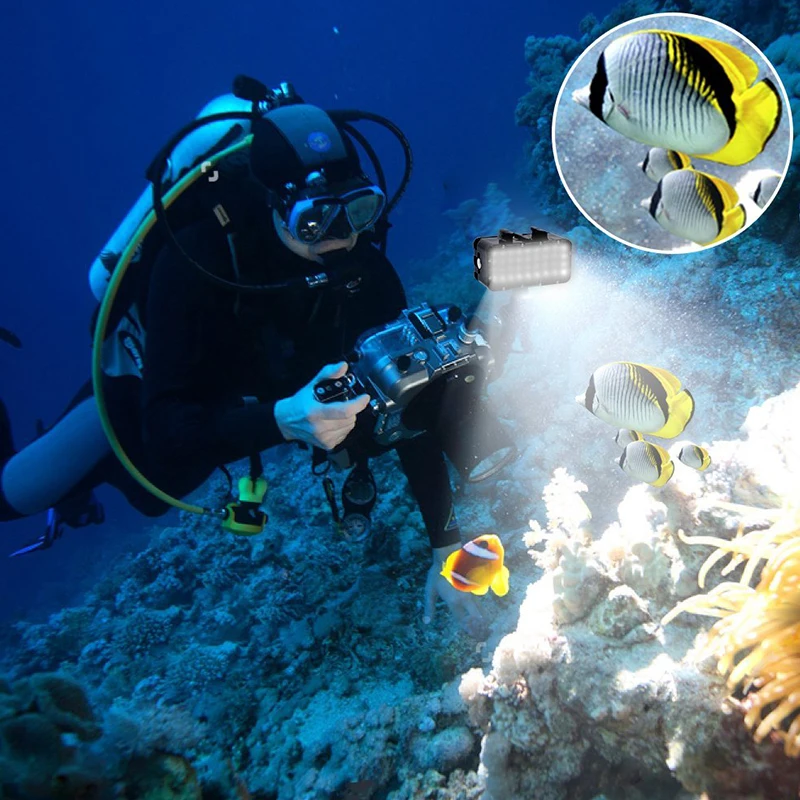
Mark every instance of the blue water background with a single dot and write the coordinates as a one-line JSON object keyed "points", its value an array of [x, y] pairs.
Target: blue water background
{"points": [[90, 91]]}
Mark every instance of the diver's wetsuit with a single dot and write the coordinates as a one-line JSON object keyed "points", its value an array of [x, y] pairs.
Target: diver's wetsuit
{"points": [[207, 348]]}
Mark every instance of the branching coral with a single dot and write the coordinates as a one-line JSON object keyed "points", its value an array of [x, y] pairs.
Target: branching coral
{"points": [[757, 639], [567, 521], [577, 580]]}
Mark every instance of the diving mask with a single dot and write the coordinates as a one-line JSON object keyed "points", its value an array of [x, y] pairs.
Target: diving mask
{"points": [[316, 212]]}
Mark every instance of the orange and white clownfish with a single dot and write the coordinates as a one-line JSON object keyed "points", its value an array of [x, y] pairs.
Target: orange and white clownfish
{"points": [[477, 566]]}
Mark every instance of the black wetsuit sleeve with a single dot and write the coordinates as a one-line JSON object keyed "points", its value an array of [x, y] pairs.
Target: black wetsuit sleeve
{"points": [[189, 414]]}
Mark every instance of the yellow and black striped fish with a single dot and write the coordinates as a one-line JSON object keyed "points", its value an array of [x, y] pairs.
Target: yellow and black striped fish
{"points": [[696, 206], [682, 92], [695, 456], [658, 162], [638, 397], [647, 462], [766, 188], [625, 436]]}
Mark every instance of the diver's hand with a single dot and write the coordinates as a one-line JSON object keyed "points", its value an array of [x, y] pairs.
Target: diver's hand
{"points": [[303, 418], [462, 605]]}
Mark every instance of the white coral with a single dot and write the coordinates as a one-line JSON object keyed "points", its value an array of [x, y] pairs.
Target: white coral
{"points": [[565, 506], [588, 651]]}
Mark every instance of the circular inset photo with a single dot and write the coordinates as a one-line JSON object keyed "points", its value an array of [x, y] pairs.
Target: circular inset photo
{"points": [[672, 133]]}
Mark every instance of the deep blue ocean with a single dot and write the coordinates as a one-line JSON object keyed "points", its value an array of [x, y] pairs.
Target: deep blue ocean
{"points": [[91, 92], [168, 659]]}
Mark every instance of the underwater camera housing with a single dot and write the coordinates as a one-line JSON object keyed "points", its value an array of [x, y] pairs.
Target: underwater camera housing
{"points": [[516, 260], [426, 371]]}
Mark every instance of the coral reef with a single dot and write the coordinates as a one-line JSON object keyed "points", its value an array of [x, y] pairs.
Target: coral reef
{"points": [[252, 678], [591, 693], [755, 641], [296, 665], [550, 58], [295, 671], [784, 54], [43, 720]]}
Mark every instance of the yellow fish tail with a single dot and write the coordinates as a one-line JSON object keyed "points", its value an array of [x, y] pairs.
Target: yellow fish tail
{"points": [[681, 410], [732, 220], [500, 582], [666, 474], [758, 112]]}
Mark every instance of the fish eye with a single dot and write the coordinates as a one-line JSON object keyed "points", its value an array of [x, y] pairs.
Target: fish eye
{"points": [[484, 545]]}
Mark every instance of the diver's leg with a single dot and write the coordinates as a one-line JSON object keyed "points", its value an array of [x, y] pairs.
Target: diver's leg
{"points": [[424, 465], [44, 472]]}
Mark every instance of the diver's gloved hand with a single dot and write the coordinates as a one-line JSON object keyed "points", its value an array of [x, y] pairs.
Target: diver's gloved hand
{"points": [[303, 418], [462, 605]]}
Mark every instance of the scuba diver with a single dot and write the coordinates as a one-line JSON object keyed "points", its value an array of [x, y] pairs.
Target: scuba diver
{"points": [[237, 304]]}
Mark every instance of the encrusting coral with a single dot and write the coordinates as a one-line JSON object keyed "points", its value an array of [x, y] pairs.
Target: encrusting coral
{"points": [[42, 718]]}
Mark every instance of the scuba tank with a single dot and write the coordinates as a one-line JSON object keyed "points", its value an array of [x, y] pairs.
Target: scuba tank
{"points": [[190, 152]]}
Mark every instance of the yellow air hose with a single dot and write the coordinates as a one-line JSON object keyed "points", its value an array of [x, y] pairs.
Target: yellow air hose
{"points": [[114, 283]]}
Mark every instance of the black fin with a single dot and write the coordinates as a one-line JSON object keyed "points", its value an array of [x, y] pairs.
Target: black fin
{"points": [[659, 462], [780, 110], [10, 338], [597, 88], [6, 439], [655, 200], [588, 399]]}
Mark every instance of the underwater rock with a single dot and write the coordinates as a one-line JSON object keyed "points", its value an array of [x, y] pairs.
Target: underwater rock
{"points": [[43, 721], [564, 707], [622, 615], [63, 701], [162, 776], [32, 748], [445, 751], [458, 785], [138, 728]]}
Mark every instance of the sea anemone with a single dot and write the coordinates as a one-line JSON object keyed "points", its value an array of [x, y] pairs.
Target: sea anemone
{"points": [[757, 639]]}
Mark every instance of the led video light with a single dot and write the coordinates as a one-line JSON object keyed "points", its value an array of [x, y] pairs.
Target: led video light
{"points": [[515, 260]]}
